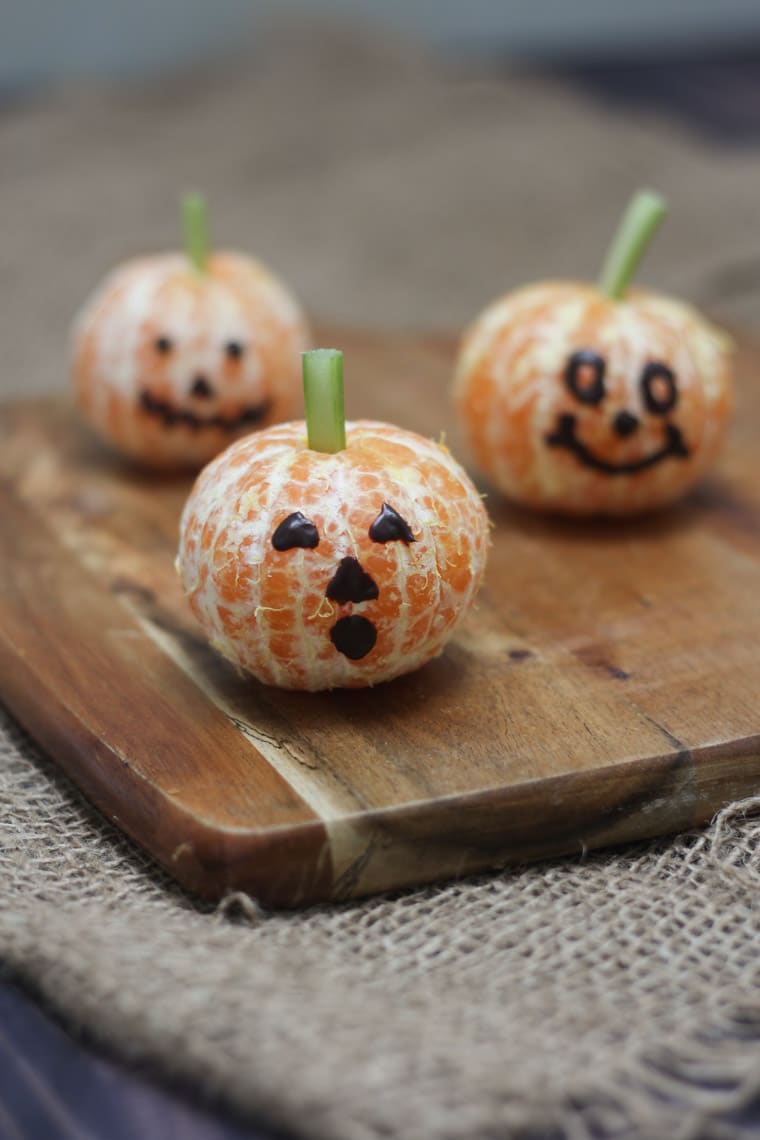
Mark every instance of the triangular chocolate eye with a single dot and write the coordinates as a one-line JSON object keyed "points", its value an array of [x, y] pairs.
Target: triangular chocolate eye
{"points": [[389, 527], [295, 530]]}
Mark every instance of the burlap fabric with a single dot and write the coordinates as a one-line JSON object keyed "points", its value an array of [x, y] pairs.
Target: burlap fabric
{"points": [[615, 995]]}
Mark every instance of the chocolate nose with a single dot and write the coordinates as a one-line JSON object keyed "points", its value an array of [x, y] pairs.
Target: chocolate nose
{"points": [[624, 423], [201, 388], [350, 583]]}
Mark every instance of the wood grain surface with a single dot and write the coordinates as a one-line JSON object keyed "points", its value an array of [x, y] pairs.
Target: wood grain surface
{"points": [[606, 688]]}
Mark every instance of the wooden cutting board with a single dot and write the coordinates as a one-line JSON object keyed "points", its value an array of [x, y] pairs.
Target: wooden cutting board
{"points": [[607, 688]]}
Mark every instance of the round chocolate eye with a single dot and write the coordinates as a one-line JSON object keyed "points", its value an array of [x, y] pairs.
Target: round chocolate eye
{"points": [[658, 386], [234, 349], [584, 376], [163, 345]]}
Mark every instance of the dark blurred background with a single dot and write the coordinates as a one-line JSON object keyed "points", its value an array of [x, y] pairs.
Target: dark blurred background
{"points": [[44, 40], [398, 162]]}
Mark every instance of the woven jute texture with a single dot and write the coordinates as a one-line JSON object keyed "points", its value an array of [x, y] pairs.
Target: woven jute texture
{"points": [[615, 995]]}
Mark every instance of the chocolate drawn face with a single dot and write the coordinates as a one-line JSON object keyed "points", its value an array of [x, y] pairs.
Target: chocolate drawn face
{"points": [[585, 380], [353, 635], [206, 389]]}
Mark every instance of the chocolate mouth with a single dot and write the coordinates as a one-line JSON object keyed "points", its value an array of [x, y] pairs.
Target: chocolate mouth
{"points": [[354, 636], [564, 436], [171, 416]]}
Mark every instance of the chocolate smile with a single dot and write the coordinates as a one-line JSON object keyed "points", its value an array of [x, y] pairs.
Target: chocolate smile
{"points": [[170, 416], [564, 436]]}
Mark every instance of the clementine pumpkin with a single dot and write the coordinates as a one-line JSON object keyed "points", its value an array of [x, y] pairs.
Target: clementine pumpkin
{"points": [[595, 400], [316, 556], [177, 354]]}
